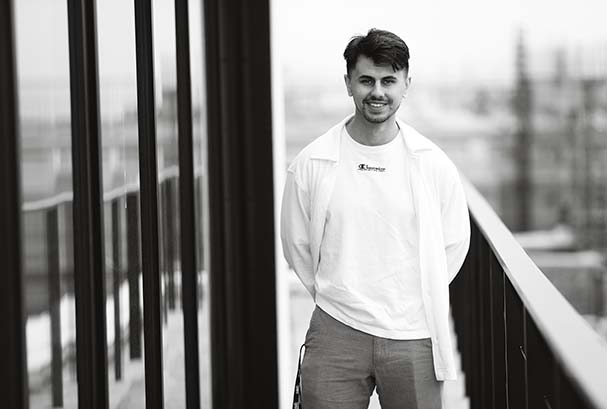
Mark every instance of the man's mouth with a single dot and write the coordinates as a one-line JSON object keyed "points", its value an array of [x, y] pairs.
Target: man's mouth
{"points": [[376, 104]]}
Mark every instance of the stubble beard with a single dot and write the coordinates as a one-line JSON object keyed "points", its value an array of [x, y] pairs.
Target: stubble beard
{"points": [[378, 119]]}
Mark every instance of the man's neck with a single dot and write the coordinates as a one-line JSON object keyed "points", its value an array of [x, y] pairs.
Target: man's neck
{"points": [[372, 134]]}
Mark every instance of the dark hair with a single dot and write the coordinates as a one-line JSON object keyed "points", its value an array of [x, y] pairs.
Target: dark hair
{"points": [[383, 47]]}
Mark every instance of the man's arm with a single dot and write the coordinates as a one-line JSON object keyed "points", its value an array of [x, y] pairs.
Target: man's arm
{"points": [[294, 227], [456, 224]]}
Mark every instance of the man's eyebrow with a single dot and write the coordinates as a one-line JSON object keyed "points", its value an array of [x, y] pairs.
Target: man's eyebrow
{"points": [[365, 76]]}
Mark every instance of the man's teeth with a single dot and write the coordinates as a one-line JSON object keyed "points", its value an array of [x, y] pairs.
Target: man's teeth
{"points": [[375, 105]]}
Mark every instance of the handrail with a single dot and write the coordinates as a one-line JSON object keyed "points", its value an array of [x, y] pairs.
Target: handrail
{"points": [[65, 197], [124, 226], [575, 345]]}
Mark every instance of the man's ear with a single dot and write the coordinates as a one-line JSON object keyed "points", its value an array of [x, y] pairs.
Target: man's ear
{"points": [[407, 84], [348, 86]]}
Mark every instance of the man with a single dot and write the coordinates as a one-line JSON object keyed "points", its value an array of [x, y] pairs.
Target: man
{"points": [[375, 224]]}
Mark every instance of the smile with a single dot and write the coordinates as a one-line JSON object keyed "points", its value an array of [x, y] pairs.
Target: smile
{"points": [[376, 104]]}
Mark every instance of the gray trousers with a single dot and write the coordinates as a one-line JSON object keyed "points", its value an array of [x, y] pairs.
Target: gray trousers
{"points": [[342, 366]]}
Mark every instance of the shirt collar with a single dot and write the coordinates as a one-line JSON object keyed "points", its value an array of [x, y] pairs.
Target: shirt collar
{"points": [[327, 146]]}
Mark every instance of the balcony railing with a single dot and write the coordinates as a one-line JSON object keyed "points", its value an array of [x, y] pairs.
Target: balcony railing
{"points": [[523, 346], [126, 322]]}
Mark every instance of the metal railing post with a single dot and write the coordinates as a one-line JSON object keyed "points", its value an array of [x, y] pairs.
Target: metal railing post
{"points": [[117, 282], [481, 330], [69, 279], [133, 272], [54, 300], [241, 203], [541, 370], [499, 334], [487, 328], [472, 374], [189, 242], [148, 174], [13, 371], [89, 259], [162, 253], [170, 238], [536, 351], [517, 353]]}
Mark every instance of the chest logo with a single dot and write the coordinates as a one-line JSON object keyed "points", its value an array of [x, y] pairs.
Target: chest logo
{"points": [[366, 168]]}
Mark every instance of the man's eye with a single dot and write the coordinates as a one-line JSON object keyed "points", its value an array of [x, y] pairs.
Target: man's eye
{"points": [[388, 82], [365, 81]]}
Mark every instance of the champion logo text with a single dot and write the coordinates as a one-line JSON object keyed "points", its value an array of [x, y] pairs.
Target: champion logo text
{"points": [[365, 167]]}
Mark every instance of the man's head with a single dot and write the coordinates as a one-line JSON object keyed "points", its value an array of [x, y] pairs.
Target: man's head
{"points": [[377, 77], [382, 47]]}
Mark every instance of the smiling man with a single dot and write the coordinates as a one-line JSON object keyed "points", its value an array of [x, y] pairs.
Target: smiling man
{"points": [[375, 224]]}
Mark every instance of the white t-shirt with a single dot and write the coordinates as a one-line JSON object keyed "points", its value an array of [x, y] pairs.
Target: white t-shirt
{"points": [[368, 275]]}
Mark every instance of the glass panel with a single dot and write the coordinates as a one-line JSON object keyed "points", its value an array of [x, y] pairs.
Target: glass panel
{"points": [[168, 202], [45, 128], [118, 99], [199, 119]]}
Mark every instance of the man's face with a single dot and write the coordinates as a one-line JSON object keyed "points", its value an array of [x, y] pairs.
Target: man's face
{"points": [[377, 90]]}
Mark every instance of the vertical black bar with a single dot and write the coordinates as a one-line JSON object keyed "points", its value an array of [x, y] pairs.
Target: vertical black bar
{"points": [[54, 298], [468, 330], [499, 335], [456, 296], [515, 343], [540, 367], [487, 340], [243, 287], [188, 242], [170, 241], [472, 369], [117, 282], [13, 371], [481, 329], [68, 281], [461, 315], [88, 210], [505, 281], [148, 172], [162, 243], [219, 327], [525, 352], [134, 269]]}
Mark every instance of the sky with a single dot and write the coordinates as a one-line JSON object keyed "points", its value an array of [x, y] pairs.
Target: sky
{"points": [[449, 40]]}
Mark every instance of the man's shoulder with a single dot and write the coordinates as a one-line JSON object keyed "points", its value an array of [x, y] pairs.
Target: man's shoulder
{"points": [[433, 157], [422, 144], [325, 146], [317, 146]]}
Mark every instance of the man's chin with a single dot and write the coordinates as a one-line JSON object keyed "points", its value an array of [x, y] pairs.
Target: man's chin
{"points": [[376, 119]]}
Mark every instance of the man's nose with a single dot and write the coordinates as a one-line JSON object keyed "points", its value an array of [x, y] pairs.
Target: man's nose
{"points": [[377, 90]]}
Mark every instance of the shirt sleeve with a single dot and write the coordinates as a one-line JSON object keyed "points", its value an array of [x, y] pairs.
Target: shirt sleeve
{"points": [[294, 228], [456, 225]]}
